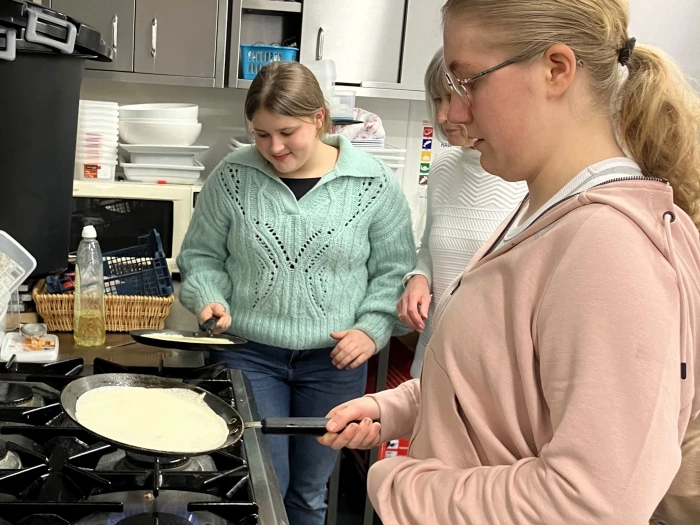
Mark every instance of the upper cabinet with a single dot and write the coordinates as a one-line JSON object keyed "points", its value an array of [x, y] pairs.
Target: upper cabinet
{"points": [[362, 37], [423, 38], [176, 37], [114, 19], [158, 41], [382, 47]]}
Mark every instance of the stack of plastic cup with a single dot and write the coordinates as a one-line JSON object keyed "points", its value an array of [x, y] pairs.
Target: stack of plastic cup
{"points": [[98, 137]]}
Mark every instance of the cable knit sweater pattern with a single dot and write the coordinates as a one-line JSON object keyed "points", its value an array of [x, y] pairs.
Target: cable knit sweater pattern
{"points": [[290, 272]]}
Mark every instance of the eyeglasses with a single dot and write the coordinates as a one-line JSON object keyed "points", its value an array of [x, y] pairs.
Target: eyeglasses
{"points": [[464, 88]]}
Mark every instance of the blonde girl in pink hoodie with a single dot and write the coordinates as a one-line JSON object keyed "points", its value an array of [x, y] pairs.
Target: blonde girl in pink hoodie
{"points": [[561, 375]]}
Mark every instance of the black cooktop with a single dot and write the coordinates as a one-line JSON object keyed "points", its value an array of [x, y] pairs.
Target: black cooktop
{"points": [[55, 473]]}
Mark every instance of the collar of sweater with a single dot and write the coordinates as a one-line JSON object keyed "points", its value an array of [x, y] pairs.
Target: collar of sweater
{"points": [[351, 162]]}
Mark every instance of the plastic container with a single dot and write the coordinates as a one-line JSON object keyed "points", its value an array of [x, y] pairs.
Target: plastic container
{"points": [[89, 327], [89, 152], [139, 270], [16, 264], [162, 174], [324, 71], [256, 56], [13, 344], [343, 104], [95, 170], [99, 104]]}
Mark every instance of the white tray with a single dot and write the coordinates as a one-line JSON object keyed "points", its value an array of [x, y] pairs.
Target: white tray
{"points": [[160, 173], [163, 149], [163, 155], [12, 345]]}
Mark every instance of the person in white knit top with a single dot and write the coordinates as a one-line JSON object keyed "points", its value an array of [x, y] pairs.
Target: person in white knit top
{"points": [[465, 206]]}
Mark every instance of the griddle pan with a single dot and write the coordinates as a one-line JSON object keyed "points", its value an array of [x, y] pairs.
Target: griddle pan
{"points": [[140, 336], [286, 426]]}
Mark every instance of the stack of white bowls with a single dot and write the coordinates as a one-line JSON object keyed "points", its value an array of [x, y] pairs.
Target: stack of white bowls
{"points": [[97, 140], [160, 139], [159, 124]]}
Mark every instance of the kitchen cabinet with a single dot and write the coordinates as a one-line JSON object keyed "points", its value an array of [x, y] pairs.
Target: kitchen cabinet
{"points": [[176, 37], [174, 42], [362, 37], [423, 38], [114, 19]]}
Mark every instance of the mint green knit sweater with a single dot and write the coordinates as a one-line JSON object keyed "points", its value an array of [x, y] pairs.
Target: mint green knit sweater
{"points": [[289, 272]]}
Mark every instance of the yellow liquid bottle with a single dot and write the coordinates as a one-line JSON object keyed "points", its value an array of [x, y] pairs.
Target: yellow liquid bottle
{"points": [[89, 326]]}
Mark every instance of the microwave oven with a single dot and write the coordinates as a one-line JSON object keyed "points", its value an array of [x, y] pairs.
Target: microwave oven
{"points": [[122, 211]]}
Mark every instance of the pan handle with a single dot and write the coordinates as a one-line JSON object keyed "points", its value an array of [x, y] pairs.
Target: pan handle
{"points": [[295, 426]]}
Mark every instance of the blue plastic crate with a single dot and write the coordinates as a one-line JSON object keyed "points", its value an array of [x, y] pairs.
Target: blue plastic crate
{"points": [[256, 56], [138, 270]]}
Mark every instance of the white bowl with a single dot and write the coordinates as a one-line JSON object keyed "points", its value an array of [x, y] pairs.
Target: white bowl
{"points": [[160, 111], [160, 120], [148, 133]]}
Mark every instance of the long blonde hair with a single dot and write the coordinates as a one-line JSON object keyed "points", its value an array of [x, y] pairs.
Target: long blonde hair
{"points": [[655, 111], [289, 89]]}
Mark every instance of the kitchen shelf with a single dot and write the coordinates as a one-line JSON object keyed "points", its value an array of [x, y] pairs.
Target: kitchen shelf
{"points": [[401, 94], [272, 5]]}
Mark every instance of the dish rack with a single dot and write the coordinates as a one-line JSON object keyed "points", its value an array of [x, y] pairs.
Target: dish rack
{"points": [[256, 56]]}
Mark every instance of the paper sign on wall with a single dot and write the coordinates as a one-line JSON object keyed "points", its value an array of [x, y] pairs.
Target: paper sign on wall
{"points": [[426, 154]]}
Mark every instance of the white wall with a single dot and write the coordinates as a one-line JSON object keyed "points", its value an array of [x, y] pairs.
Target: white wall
{"points": [[672, 25]]}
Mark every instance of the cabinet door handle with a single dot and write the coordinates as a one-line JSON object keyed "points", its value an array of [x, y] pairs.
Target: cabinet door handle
{"points": [[319, 44], [115, 30], [154, 37]]}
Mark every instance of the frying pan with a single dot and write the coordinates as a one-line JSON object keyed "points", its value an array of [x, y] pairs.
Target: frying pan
{"points": [[287, 426], [141, 336]]}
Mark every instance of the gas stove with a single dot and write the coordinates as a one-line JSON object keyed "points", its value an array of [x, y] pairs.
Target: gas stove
{"points": [[53, 472]]}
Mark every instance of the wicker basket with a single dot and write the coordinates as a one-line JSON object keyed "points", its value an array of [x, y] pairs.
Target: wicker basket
{"points": [[123, 312]]}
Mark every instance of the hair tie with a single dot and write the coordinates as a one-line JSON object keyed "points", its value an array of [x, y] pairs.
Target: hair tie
{"points": [[625, 52]]}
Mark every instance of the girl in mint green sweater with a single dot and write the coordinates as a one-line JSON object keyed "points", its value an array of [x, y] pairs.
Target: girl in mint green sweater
{"points": [[299, 245]]}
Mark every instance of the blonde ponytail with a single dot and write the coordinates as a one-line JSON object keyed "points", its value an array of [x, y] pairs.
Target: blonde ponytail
{"points": [[659, 121]]}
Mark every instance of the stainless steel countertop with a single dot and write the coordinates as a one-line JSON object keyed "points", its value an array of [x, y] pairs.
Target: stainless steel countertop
{"points": [[132, 355]]}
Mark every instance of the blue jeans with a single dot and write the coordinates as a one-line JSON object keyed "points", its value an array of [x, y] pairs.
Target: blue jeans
{"points": [[302, 383]]}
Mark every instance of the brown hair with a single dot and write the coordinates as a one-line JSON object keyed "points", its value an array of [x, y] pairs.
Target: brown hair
{"points": [[656, 113], [289, 89]]}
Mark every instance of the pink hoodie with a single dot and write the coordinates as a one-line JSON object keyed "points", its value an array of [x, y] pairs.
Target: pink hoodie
{"points": [[551, 391]]}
